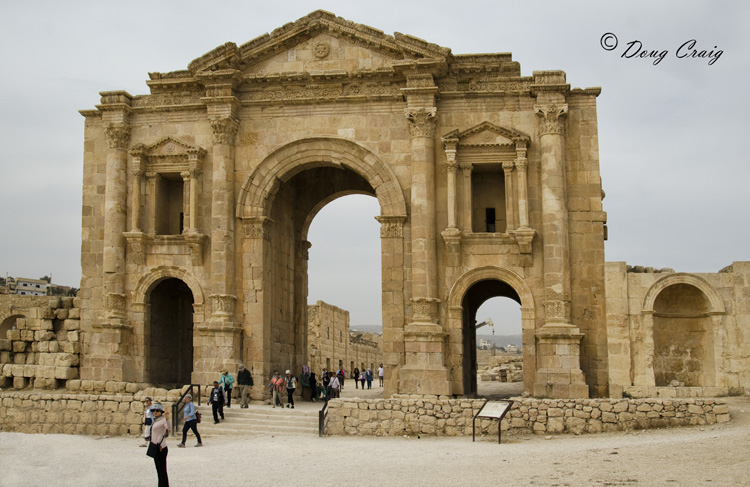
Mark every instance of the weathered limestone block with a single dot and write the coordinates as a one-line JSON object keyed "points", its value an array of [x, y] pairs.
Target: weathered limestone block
{"points": [[66, 360], [19, 346], [66, 373], [61, 314], [72, 325], [5, 345], [74, 314]]}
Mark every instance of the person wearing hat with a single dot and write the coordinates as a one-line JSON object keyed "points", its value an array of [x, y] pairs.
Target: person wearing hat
{"points": [[291, 385], [245, 381], [226, 381], [159, 432]]}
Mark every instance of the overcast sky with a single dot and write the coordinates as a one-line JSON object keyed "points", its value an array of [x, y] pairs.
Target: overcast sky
{"points": [[671, 130]]}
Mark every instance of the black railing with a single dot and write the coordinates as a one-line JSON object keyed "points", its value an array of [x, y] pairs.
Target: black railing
{"points": [[322, 414], [179, 405]]}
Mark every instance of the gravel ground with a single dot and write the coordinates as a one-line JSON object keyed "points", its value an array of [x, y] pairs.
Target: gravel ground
{"points": [[717, 455]]}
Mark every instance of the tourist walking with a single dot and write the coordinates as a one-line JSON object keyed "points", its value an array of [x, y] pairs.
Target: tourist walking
{"points": [[227, 382], [333, 387], [277, 387], [217, 400], [291, 384], [361, 379], [368, 377], [159, 432], [245, 382], [148, 419], [380, 375], [341, 374], [190, 417], [355, 376]]}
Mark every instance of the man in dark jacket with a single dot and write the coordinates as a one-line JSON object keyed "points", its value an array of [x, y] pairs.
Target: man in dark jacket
{"points": [[245, 381]]}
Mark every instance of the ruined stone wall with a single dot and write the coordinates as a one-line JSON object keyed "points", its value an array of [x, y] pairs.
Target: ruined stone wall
{"points": [[444, 416], [678, 334], [40, 346]]}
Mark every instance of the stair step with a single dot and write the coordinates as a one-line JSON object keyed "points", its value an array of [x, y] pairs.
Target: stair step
{"points": [[260, 420]]}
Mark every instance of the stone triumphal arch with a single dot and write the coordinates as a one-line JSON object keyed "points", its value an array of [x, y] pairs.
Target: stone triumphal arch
{"points": [[198, 197]]}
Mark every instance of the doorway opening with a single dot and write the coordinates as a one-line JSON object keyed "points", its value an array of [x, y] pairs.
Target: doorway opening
{"points": [[493, 347], [169, 334]]}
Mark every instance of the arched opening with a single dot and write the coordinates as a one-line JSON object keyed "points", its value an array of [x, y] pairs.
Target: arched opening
{"points": [[481, 292], [499, 348], [682, 339], [9, 323], [169, 333], [295, 206]]}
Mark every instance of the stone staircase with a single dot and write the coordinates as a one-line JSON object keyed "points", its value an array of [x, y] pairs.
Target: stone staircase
{"points": [[261, 420]]}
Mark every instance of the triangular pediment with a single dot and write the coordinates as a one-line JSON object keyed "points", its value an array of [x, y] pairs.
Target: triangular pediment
{"points": [[167, 147], [318, 42], [168, 155], [486, 134]]}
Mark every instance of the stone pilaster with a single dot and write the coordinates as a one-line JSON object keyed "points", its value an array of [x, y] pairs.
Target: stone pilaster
{"points": [[424, 371], [466, 169], [510, 218], [558, 341]]}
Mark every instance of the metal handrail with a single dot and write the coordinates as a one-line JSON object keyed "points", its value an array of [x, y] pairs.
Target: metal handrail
{"points": [[179, 405], [322, 414]]}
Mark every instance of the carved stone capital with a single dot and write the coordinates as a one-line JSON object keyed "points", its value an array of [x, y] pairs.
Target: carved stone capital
{"points": [[466, 167], [422, 121], [116, 303], [551, 118], [223, 304], [196, 242], [426, 310], [224, 130], [522, 164], [303, 249], [508, 166], [557, 311], [524, 236], [257, 227], [118, 136], [391, 226]]}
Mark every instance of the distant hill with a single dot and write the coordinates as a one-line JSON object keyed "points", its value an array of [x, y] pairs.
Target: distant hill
{"points": [[376, 329]]}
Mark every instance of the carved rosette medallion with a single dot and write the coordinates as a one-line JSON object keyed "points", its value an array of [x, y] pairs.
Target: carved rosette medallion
{"points": [[222, 304], [422, 121], [557, 311], [258, 227], [118, 136], [426, 310], [224, 130], [551, 118], [391, 226]]}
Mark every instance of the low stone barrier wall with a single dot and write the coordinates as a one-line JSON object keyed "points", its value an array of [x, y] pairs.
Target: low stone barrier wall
{"points": [[444, 416], [84, 413]]}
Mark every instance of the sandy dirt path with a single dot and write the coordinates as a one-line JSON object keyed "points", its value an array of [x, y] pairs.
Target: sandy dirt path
{"points": [[717, 455]]}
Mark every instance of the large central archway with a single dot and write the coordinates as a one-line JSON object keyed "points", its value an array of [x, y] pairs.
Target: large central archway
{"points": [[277, 204]]}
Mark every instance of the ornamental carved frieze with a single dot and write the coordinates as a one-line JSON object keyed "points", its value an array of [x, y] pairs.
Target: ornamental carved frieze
{"points": [[317, 92], [391, 226], [551, 118], [257, 227], [167, 100], [224, 130], [422, 121], [484, 85], [118, 136], [420, 81], [426, 310], [222, 304], [556, 311]]}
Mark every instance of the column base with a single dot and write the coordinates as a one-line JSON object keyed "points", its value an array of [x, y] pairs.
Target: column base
{"points": [[424, 379], [424, 371], [559, 374]]}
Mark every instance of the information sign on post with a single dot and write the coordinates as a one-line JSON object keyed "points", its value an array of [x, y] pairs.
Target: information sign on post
{"points": [[493, 410]]}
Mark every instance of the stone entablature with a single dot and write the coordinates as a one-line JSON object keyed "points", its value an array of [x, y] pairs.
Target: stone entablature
{"points": [[444, 416]]}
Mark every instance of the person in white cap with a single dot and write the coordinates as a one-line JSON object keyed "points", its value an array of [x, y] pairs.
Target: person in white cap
{"points": [[291, 385]]}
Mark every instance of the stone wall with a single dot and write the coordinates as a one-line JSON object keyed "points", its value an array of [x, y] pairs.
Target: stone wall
{"points": [[40, 341], [86, 408], [443, 416]]}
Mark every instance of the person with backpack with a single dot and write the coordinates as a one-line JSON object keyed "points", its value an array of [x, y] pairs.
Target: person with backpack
{"points": [[333, 387], [217, 399], [291, 385], [276, 386], [190, 417]]}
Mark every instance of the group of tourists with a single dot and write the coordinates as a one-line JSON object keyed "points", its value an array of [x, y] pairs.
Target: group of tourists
{"points": [[278, 384], [360, 377]]}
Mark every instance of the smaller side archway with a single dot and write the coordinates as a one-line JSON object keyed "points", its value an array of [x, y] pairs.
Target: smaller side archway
{"points": [[467, 294], [682, 313], [167, 308]]}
